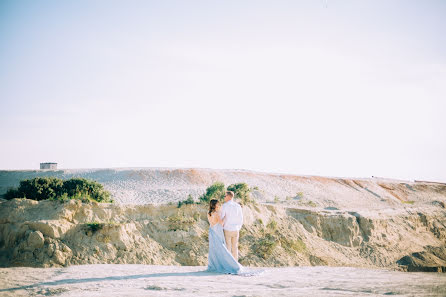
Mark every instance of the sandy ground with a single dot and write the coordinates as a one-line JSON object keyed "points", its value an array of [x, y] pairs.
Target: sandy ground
{"points": [[145, 280]]}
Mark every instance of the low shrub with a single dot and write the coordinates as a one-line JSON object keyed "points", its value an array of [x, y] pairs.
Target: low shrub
{"points": [[215, 191], [265, 246], [271, 238], [39, 188], [272, 225], [51, 188], [196, 216], [292, 245], [181, 222], [299, 195], [311, 203], [218, 190], [93, 190], [189, 200], [408, 201], [242, 191], [94, 226]]}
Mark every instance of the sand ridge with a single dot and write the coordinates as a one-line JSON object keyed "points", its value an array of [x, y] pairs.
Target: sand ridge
{"points": [[164, 185]]}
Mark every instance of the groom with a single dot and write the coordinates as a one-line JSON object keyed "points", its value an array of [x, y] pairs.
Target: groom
{"points": [[232, 216]]}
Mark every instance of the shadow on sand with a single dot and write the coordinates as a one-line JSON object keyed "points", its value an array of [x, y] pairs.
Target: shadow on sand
{"points": [[109, 278]]}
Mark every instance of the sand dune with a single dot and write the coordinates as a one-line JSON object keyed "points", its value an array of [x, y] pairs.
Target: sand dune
{"points": [[163, 185]]}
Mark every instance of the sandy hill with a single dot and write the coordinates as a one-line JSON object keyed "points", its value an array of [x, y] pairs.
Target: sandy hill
{"points": [[164, 185]]}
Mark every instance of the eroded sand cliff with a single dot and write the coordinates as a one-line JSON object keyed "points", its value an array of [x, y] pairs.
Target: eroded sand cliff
{"points": [[51, 233]]}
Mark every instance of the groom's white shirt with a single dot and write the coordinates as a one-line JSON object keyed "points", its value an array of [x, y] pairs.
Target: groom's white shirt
{"points": [[232, 216]]}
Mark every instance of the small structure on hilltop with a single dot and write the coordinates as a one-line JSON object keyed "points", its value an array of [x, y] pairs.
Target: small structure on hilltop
{"points": [[48, 165]]}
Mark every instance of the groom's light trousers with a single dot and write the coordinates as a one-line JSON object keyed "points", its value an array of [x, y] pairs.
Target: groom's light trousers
{"points": [[231, 238]]}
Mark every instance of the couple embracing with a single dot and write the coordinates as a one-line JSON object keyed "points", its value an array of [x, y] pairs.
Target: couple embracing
{"points": [[225, 222]]}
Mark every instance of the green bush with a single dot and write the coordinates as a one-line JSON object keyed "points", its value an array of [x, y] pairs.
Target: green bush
{"points": [[189, 200], [94, 226], [265, 246], [39, 188], [92, 190], [242, 192], [215, 191], [218, 190], [12, 193], [51, 188]]}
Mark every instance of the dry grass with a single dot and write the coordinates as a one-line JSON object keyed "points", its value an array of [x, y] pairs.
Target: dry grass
{"points": [[180, 221], [408, 201]]}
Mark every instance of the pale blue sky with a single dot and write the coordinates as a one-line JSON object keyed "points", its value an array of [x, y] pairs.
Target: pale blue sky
{"points": [[336, 88]]}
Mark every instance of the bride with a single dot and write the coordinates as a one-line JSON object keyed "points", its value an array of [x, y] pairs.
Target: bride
{"points": [[220, 259]]}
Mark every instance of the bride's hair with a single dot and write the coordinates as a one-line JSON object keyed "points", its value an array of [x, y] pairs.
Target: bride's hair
{"points": [[212, 206]]}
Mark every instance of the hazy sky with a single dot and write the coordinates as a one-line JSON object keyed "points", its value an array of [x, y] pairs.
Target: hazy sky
{"points": [[336, 88]]}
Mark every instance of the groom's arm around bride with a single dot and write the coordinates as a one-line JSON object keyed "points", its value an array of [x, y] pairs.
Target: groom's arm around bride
{"points": [[232, 216]]}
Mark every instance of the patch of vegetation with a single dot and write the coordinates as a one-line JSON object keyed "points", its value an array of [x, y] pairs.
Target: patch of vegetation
{"points": [[39, 188], [94, 226], [276, 199], [181, 222], [311, 203], [242, 192], [218, 190], [242, 232], [189, 200], [271, 238], [255, 188], [408, 201], [196, 216], [272, 225], [51, 188], [153, 288], [92, 190], [292, 245], [307, 203], [205, 236], [215, 191], [299, 195], [265, 246]]}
